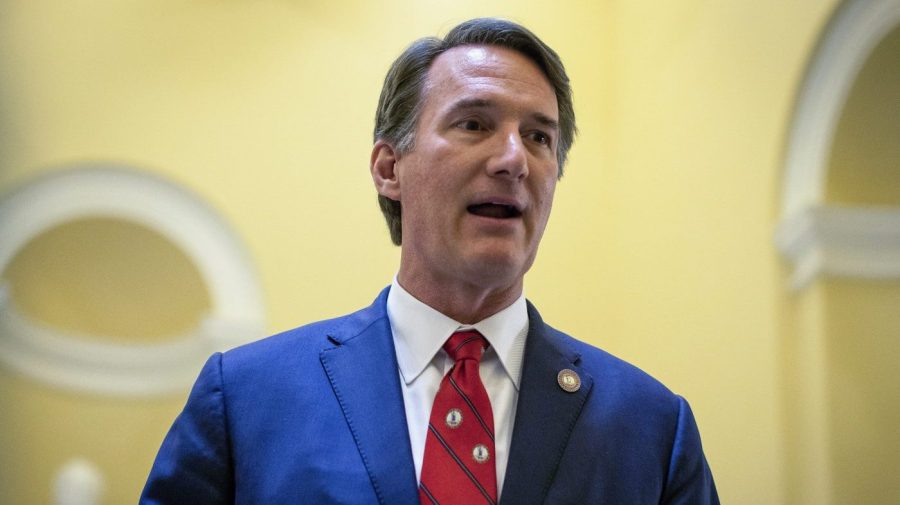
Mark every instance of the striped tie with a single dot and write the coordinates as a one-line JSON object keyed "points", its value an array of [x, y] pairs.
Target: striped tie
{"points": [[458, 467]]}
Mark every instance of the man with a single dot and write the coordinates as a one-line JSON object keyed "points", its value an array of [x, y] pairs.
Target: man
{"points": [[449, 388]]}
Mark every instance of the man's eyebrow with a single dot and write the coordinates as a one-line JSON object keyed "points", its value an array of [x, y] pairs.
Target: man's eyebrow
{"points": [[483, 103], [470, 103], [546, 121]]}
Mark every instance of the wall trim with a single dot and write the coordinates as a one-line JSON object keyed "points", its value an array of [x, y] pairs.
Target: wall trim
{"points": [[842, 241], [64, 360]]}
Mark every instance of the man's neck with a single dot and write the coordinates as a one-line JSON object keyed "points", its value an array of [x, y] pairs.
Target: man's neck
{"points": [[464, 302]]}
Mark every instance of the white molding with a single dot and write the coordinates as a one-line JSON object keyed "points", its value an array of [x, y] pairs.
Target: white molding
{"points": [[852, 34], [44, 353], [842, 241]]}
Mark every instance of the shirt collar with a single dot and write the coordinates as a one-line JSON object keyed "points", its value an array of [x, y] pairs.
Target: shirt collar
{"points": [[420, 331]]}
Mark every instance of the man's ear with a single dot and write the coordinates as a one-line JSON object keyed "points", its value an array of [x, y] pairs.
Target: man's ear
{"points": [[383, 166]]}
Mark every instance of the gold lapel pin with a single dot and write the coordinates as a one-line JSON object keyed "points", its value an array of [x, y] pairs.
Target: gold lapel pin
{"points": [[568, 380]]}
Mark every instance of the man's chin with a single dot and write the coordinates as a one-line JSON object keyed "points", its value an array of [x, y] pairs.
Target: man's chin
{"points": [[497, 264]]}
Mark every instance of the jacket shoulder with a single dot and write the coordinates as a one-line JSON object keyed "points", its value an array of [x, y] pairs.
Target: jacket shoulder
{"points": [[307, 341]]}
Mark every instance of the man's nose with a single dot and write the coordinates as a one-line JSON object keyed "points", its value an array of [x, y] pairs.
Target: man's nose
{"points": [[510, 158]]}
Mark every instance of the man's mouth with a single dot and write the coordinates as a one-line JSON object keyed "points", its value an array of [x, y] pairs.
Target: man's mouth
{"points": [[494, 210]]}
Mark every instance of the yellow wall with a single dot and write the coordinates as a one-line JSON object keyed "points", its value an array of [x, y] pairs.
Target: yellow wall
{"points": [[659, 249], [863, 322], [863, 168], [43, 428], [803, 395], [861, 317]]}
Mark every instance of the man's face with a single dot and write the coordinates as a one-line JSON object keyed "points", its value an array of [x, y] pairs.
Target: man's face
{"points": [[477, 187]]}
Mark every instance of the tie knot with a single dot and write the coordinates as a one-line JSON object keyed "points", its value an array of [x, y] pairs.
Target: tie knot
{"points": [[465, 345]]}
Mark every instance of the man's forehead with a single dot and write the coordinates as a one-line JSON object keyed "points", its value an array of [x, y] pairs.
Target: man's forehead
{"points": [[475, 55], [465, 66], [488, 59]]}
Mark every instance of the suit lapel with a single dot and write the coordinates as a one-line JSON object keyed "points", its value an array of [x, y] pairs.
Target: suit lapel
{"points": [[362, 368], [545, 415]]}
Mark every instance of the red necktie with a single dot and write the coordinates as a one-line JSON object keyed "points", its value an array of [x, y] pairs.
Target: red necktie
{"points": [[458, 467]]}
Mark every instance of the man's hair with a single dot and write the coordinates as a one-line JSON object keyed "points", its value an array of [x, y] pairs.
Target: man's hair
{"points": [[402, 94]]}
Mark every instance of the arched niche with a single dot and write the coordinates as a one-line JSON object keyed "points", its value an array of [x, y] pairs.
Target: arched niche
{"points": [[118, 366], [864, 163], [102, 279], [816, 234]]}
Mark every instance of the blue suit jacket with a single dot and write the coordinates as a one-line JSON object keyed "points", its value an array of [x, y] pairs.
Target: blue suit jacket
{"points": [[315, 416]]}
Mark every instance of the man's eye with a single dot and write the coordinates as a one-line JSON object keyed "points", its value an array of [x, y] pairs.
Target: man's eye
{"points": [[541, 138], [470, 125]]}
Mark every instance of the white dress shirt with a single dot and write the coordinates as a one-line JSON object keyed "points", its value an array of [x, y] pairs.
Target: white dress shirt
{"points": [[419, 335]]}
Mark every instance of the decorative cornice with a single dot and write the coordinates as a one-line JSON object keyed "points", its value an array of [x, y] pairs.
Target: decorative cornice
{"points": [[83, 363], [842, 241]]}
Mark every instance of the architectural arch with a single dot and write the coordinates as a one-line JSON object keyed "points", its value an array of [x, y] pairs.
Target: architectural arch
{"points": [[817, 238], [237, 309]]}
